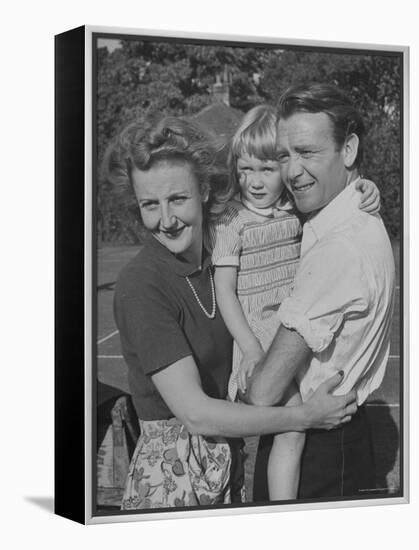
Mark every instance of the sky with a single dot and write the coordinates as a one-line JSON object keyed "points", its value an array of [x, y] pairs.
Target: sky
{"points": [[110, 43]]}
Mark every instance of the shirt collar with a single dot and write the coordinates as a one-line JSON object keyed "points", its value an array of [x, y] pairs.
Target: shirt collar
{"points": [[180, 266], [339, 210], [271, 211]]}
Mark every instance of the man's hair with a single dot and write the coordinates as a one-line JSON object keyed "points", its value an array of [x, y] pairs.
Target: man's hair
{"points": [[328, 99]]}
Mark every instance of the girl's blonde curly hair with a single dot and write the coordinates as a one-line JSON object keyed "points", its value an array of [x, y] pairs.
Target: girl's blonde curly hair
{"points": [[256, 136]]}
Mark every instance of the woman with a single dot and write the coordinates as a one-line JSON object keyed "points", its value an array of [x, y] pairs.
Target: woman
{"points": [[174, 341]]}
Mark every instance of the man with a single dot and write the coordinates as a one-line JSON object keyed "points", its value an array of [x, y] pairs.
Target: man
{"points": [[338, 316]]}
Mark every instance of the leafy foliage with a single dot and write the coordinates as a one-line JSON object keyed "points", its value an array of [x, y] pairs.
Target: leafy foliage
{"points": [[374, 82], [152, 77]]}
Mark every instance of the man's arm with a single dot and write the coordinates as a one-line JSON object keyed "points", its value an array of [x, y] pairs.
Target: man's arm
{"points": [[272, 376], [321, 300]]}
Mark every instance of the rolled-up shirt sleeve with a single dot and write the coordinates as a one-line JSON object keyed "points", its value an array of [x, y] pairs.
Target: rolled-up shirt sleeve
{"points": [[330, 287], [226, 240]]}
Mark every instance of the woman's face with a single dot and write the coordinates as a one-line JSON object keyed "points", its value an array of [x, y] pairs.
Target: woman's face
{"points": [[170, 203]]}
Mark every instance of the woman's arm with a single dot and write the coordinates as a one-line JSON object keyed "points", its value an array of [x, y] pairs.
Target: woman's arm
{"points": [[180, 386]]}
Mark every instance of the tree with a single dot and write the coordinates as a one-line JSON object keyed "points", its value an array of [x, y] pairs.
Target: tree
{"points": [[374, 83], [152, 77], [146, 78]]}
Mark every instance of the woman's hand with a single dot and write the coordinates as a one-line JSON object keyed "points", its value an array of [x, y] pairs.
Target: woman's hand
{"points": [[250, 359], [325, 411], [370, 198]]}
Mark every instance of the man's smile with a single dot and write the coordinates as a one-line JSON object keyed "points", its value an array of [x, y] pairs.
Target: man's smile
{"points": [[302, 187]]}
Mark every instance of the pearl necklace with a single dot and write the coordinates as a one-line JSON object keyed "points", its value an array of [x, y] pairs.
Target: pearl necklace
{"points": [[214, 303]]}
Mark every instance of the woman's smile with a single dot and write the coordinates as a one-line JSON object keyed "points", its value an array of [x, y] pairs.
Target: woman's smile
{"points": [[173, 233]]}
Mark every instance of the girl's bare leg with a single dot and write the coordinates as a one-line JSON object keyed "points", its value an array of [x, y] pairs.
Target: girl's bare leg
{"points": [[285, 457]]}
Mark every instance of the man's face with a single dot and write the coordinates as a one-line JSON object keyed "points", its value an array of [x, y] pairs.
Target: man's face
{"points": [[311, 167]]}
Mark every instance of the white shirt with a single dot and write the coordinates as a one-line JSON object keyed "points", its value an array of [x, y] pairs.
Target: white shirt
{"points": [[342, 299]]}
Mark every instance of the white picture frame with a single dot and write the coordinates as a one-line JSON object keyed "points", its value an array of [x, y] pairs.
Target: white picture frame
{"points": [[77, 278]]}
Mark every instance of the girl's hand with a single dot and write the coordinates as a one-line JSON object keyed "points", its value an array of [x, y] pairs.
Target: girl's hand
{"points": [[370, 199], [325, 411], [248, 363]]}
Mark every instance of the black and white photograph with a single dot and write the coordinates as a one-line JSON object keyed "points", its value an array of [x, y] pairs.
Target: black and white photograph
{"points": [[247, 237], [209, 275]]}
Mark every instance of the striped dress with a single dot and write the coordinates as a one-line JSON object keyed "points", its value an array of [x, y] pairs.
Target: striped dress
{"points": [[264, 245]]}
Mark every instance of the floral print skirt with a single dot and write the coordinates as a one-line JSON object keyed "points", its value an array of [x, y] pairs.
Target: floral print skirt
{"points": [[172, 468]]}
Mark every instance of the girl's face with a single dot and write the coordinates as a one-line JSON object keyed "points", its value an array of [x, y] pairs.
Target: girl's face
{"points": [[260, 180], [170, 203]]}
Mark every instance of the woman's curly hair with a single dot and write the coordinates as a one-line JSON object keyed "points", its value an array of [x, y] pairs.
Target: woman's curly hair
{"points": [[179, 140]]}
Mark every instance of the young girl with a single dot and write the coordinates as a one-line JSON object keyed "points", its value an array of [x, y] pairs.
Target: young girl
{"points": [[255, 251]]}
